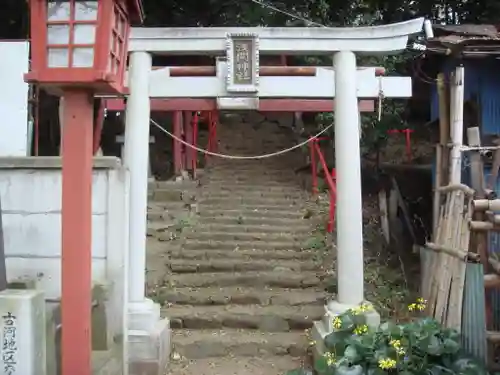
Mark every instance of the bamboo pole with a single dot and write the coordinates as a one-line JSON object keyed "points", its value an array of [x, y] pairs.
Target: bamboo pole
{"points": [[438, 182], [457, 128], [492, 217], [495, 264], [457, 187], [476, 168], [457, 253], [482, 226], [491, 280], [444, 127], [481, 205]]}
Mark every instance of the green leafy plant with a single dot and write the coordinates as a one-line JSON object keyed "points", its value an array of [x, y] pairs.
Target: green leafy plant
{"points": [[419, 347]]}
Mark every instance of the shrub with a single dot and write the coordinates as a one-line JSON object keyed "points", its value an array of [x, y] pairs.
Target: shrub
{"points": [[418, 347]]}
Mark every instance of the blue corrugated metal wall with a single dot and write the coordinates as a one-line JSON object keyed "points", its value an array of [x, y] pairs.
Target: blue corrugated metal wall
{"points": [[482, 79]]}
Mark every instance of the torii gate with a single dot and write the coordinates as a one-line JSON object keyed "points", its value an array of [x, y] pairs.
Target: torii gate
{"points": [[240, 83]]}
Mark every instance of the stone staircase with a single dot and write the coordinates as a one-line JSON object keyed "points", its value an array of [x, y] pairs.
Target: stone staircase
{"points": [[238, 287]]}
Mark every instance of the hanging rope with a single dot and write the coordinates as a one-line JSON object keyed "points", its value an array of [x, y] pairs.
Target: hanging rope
{"points": [[238, 157]]}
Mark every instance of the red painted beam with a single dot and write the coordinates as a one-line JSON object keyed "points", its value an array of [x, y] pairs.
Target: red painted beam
{"points": [[265, 105], [264, 71], [307, 105], [168, 105]]}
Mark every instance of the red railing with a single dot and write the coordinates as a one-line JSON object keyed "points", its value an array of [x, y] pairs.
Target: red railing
{"points": [[330, 178], [213, 119], [194, 154], [407, 132]]}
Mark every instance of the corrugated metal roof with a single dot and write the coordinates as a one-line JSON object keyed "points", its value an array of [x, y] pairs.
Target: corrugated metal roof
{"points": [[467, 40]]}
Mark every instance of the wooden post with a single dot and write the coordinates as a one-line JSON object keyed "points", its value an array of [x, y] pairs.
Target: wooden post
{"points": [[76, 223]]}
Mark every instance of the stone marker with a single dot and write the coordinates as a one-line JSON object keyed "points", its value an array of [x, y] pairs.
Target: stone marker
{"points": [[22, 331]]}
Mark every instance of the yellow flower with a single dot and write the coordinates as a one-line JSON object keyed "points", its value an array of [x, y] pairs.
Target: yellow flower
{"points": [[361, 329], [386, 363], [360, 309], [396, 344], [418, 306], [330, 358], [337, 323]]}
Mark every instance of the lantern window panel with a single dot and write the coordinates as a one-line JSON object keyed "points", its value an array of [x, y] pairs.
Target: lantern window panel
{"points": [[58, 11], [83, 57], [117, 38], [86, 10], [58, 34], [84, 34], [58, 57]]}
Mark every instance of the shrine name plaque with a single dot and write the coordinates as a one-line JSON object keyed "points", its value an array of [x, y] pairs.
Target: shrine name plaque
{"points": [[242, 62]]}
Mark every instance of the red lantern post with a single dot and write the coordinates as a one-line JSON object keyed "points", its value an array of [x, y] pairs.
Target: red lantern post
{"points": [[78, 49]]}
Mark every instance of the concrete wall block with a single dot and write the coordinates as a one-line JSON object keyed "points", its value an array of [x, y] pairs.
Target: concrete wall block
{"points": [[39, 190]]}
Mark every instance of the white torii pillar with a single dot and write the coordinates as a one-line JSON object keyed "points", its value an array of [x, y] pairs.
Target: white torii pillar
{"points": [[146, 331], [348, 169]]}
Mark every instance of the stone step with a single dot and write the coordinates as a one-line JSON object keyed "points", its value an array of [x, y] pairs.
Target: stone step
{"points": [[260, 170], [263, 318], [230, 187], [245, 236], [258, 183], [281, 279], [254, 147], [255, 203], [182, 185], [263, 209], [255, 213], [277, 221], [242, 296], [168, 206], [257, 175], [234, 245], [172, 195], [170, 215], [238, 265], [268, 365], [249, 163], [227, 177], [243, 226], [195, 344], [209, 192], [239, 254]]}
